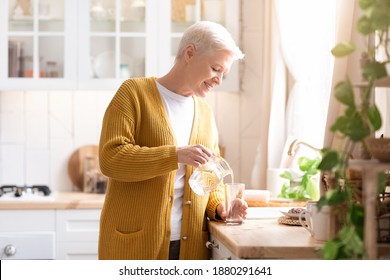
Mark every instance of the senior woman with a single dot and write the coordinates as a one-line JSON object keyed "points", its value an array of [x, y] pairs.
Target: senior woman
{"points": [[155, 132]]}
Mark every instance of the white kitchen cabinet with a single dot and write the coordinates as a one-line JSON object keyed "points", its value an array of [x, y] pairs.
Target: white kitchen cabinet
{"points": [[219, 251], [49, 234], [77, 233], [37, 43], [103, 43], [26, 234]]}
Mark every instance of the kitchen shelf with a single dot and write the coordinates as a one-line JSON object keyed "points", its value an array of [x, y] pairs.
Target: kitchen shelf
{"points": [[383, 82], [369, 170]]}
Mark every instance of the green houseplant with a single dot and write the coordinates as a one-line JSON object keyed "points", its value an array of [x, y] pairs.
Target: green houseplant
{"points": [[303, 188], [360, 120]]}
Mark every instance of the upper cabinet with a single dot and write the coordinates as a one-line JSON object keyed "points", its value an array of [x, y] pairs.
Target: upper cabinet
{"points": [[97, 44], [36, 38]]}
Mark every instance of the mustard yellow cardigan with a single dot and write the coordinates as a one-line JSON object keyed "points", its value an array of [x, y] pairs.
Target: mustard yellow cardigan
{"points": [[137, 152]]}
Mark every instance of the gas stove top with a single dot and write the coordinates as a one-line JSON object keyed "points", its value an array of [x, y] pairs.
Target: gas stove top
{"points": [[34, 192]]}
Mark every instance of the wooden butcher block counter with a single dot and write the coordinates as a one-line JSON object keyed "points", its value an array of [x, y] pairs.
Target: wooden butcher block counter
{"points": [[262, 239]]}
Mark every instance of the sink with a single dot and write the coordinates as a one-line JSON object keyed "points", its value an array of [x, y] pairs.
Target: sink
{"points": [[259, 213]]}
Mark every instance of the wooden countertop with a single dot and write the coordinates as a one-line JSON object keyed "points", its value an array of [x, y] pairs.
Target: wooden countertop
{"points": [[266, 239], [60, 200]]}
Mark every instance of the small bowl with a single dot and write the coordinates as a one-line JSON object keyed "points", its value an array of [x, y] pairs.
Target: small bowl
{"points": [[379, 148]]}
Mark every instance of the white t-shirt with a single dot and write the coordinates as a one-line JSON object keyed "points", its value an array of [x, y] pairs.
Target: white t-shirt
{"points": [[180, 111]]}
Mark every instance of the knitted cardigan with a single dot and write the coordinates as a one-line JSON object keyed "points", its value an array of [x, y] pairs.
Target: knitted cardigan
{"points": [[137, 153]]}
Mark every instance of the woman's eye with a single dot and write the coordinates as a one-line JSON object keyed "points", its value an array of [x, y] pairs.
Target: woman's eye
{"points": [[215, 69]]}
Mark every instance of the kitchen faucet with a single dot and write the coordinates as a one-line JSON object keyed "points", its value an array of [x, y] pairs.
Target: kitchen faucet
{"points": [[295, 143]]}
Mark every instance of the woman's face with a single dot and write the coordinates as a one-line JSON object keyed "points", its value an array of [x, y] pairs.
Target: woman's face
{"points": [[207, 70]]}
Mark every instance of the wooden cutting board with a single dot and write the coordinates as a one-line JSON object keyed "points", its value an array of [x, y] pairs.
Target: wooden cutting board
{"points": [[76, 163]]}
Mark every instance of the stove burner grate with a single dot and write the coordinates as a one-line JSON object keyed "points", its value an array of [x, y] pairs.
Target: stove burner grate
{"points": [[21, 190]]}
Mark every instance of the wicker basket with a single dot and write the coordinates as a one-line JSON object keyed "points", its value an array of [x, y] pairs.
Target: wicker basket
{"points": [[379, 148]]}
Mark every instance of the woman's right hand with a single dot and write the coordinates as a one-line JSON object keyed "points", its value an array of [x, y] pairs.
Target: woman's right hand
{"points": [[195, 155]]}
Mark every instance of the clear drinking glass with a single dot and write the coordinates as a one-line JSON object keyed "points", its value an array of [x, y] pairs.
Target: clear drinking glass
{"points": [[234, 197]]}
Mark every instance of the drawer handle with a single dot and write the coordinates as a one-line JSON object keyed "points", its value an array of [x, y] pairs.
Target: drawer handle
{"points": [[212, 245], [9, 250]]}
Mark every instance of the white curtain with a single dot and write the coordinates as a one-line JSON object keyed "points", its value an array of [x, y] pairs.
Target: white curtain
{"points": [[307, 34], [345, 27], [299, 105], [382, 99], [304, 108]]}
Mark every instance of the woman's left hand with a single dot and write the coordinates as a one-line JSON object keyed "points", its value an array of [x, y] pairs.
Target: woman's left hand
{"points": [[240, 205]]}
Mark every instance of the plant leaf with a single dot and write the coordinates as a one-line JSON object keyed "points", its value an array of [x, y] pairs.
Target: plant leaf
{"points": [[379, 15], [374, 116], [352, 241], [330, 250], [365, 4], [364, 25], [382, 182], [329, 160], [311, 190], [375, 70], [357, 218], [343, 49], [357, 130], [335, 197], [287, 175], [340, 125], [344, 93], [308, 165]]}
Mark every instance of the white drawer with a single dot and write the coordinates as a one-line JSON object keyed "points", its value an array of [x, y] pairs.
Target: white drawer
{"points": [[78, 225], [27, 220], [27, 245], [77, 251]]}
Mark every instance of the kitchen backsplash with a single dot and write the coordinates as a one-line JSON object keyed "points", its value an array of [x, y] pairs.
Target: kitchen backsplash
{"points": [[39, 130]]}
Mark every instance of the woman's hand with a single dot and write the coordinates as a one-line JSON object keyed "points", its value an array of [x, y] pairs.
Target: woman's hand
{"points": [[195, 155], [239, 209]]}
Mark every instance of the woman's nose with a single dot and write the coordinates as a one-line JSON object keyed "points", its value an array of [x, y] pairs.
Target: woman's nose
{"points": [[218, 79]]}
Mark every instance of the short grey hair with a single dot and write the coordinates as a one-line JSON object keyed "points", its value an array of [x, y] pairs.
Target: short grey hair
{"points": [[208, 36]]}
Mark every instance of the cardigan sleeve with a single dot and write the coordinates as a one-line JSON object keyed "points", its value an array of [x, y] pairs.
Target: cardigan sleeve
{"points": [[134, 143], [216, 197]]}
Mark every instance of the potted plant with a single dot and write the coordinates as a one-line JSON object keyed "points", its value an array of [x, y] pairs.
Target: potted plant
{"points": [[303, 187], [361, 119]]}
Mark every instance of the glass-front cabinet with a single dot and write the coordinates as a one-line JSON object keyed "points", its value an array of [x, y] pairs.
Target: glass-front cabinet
{"points": [[119, 41], [97, 44], [35, 39]]}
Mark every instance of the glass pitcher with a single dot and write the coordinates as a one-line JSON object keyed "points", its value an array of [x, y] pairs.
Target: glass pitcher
{"points": [[207, 177]]}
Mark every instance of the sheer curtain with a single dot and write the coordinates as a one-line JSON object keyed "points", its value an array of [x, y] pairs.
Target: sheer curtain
{"points": [[307, 34], [299, 104], [346, 13]]}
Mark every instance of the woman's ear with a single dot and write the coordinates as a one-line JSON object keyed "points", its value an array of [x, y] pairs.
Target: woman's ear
{"points": [[189, 52]]}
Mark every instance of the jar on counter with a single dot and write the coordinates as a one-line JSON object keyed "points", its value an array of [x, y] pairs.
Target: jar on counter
{"points": [[94, 180]]}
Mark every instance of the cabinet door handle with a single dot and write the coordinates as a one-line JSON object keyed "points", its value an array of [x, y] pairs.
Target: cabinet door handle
{"points": [[9, 250], [212, 245]]}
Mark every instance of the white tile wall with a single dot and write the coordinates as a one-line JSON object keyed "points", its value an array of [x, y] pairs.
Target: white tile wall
{"points": [[40, 130]]}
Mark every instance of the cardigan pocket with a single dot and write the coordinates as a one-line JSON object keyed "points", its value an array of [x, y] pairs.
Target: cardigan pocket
{"points": [[128, 233], [128, 245]]}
